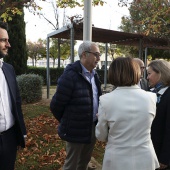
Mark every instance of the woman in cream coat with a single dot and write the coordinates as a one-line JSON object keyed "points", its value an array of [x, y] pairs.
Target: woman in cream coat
{"points": [[124, 120]]}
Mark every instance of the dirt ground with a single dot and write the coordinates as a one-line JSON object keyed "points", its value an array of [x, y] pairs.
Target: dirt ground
{"points": [[93, 165]]}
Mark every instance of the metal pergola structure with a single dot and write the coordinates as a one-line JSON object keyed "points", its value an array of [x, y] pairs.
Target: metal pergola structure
{"points": [[75, 32]]}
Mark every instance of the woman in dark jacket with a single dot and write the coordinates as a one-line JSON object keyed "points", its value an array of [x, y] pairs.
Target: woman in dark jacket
{"points": [[159, 80]]}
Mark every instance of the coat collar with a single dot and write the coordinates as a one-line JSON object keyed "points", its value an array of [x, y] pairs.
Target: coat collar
{"points": [[128, 87]]}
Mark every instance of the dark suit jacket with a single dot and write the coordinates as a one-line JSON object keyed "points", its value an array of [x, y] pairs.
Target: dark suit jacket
{"points": [[144, 84], [160, 131], [16, 102]]}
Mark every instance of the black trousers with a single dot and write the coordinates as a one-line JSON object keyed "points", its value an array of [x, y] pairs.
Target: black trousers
{"points": [[8, 149]]}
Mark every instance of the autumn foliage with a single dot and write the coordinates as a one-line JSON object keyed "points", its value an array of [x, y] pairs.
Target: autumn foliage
{"points": [[44, 148]]}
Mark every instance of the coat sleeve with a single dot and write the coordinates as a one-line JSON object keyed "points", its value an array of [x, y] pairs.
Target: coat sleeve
{"points": [[19, 109], [165, 149], [102, 128], [62, 95]]}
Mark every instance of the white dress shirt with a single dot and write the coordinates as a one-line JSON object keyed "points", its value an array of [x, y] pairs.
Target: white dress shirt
{"points": [[6, 117]]}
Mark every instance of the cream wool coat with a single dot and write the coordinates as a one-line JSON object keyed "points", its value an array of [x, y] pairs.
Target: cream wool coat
{"points": [[124, 121]]}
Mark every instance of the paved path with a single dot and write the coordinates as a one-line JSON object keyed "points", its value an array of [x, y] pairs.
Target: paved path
{"points": [[94, 165]]}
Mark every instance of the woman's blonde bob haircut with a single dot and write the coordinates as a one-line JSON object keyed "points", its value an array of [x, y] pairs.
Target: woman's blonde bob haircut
{"points": [[162, 68], [124, 71]]}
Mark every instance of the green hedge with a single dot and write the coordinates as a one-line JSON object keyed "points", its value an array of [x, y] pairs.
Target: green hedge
{"points": [[30, 86], [55, 73]]}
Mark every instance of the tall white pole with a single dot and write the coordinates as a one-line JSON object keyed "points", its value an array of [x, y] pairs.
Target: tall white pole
{"points": [[48, 69], [87, 25]]}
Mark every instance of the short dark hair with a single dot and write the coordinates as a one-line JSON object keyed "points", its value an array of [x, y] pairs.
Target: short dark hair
{"points": [[3, 25], [124, 71]]}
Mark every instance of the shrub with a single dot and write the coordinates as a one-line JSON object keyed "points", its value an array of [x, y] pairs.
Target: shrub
{"points": [[30, 86], [55, 73]]}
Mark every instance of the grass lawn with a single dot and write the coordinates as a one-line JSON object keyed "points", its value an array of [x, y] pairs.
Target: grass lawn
{"points": [[44, 149]]}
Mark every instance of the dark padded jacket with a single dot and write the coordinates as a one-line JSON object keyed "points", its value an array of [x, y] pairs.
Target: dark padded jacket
{"points": [[160, 130], [72, 104]]}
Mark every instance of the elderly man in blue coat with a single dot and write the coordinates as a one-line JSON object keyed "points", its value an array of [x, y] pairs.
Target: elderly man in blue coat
{"points": [[75, 105]]}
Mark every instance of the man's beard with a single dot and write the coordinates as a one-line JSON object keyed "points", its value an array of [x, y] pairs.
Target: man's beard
{"points": [[2, 55]]}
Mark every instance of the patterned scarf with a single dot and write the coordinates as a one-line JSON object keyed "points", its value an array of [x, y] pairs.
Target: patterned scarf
{"points": [[156, 89]]}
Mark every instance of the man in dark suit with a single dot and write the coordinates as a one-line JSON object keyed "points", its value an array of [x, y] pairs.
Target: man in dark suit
{"points": [[143, 83], [12, 126]]}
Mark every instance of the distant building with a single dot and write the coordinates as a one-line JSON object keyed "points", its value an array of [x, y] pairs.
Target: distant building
{"points": [[43, 63], [101, 63], [68, 61], [63, 63]]}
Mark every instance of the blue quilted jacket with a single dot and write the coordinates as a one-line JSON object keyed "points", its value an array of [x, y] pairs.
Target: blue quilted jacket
{"points": [[72, 105]]}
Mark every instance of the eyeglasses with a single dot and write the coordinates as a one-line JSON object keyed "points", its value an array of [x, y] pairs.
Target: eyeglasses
{"points": [[142, 67], [96, 54]]}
